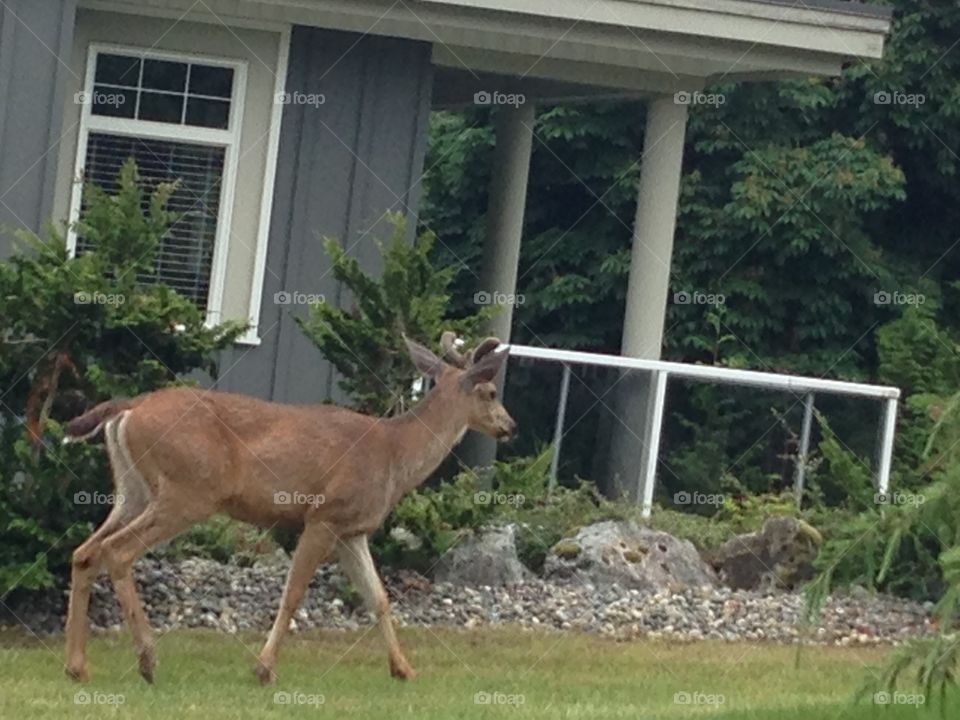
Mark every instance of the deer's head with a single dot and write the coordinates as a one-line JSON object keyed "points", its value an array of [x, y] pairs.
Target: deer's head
{"points": [[468, 380]]}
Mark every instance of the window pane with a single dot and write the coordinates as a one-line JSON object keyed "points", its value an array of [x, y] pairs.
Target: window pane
{"points": [[208, 113], [164, 75], [185, 255], [111, 101], [117, 69], [161, 107], [207, 80]]}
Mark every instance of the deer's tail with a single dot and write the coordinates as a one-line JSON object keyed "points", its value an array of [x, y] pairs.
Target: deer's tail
{"points": [[91, 422]]}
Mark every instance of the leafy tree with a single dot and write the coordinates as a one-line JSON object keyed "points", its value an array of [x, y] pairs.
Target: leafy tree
{"points": [[800, 202]]}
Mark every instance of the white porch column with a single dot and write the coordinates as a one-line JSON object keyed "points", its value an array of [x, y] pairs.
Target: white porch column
{"points": [[653, 229], [505, 209], [501, 250], [632, 432]]}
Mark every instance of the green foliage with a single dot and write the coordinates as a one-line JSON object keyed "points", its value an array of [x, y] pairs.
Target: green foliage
{"points": [[793, 213], [222, 539], [907, 544], [365, 341], [911, 546], [920, 356], [75, 331], [800, 201], [429, 521], [839, 474]]}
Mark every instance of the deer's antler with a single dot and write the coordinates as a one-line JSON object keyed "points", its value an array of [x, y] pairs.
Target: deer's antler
{"points": [[450, 353]]}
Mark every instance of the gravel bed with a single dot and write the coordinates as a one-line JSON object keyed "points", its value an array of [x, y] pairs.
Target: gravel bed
{"points": [[204, 593]]}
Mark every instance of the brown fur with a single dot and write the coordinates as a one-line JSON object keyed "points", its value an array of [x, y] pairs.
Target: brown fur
{"points": [[180, 454]]}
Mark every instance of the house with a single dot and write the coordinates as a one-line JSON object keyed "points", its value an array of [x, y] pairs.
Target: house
{"points": [[289, 119]]}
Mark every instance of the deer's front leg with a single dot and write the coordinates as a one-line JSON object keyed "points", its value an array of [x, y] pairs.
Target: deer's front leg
{"points": [[354, 556], [314, 546]]}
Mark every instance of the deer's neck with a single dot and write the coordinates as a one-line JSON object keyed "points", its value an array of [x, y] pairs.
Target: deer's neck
{"points": [[423, 437]]}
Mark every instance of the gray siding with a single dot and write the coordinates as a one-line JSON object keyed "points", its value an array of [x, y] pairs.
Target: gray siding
{"points": [[35, 41], [341, 166]]}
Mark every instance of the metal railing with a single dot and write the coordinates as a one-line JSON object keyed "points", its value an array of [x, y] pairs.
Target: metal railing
{"points": [[661, 371]]}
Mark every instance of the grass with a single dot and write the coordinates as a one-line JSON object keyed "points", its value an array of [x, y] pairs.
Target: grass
{"points": [[536, 675]]}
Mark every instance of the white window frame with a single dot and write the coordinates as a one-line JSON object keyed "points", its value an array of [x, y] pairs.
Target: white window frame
{"points": [[252, 335], [229, 139]]}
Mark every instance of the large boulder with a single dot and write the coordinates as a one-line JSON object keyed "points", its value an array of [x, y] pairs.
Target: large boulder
{"points": [[780, 556], [488, 557], [629, 555]]}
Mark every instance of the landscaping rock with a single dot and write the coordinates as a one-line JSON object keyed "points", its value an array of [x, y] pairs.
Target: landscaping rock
{"points": [[231, 598], [780, 556], [489, 557], [629, 555]]}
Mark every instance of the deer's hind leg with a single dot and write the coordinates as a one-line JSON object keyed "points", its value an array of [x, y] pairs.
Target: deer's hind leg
{"points": [[163, 518], [131, 498]]}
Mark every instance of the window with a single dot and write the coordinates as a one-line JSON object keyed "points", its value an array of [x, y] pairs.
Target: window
{"points": [[182, 93], [178, 117]]}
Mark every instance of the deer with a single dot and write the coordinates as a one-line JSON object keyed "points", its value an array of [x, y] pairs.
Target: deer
{"points": [[180, 454]]}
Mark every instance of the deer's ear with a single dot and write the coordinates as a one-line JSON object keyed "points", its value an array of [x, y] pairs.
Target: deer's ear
{"points": [[487, 346], [424, 360], [485, 369]]}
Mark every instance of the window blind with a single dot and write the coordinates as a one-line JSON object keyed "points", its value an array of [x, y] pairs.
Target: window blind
{"points": [[185, 255]]}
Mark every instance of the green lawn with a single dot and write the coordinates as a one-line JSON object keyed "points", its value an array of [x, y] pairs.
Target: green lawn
{"points": [[524, 674]]}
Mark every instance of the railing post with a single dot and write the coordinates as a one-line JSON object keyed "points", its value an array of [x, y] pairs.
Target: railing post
{"points": [[558, 429], [804, 451], [886, 445], [648, 475]]}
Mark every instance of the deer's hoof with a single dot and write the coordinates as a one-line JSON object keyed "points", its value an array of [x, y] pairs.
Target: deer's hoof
{"points": [[401, 670], [147, 664], [78, 673], [264, 674]]}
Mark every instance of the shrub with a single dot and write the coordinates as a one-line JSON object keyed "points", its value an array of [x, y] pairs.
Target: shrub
{"points": [[911, 546], [75, 331], [222, 539], [428, 522], [365, 341]]}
